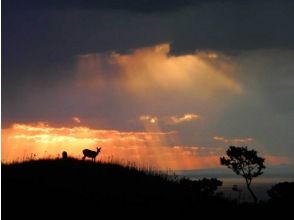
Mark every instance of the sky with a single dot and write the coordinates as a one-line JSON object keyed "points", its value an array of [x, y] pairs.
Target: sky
{"points": [[162, 83]]}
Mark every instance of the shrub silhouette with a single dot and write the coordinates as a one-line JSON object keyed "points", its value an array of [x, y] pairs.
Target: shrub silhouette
{"points": [[64, 155], [235, 188], [204, 188], [245, 163], [282, 192]]}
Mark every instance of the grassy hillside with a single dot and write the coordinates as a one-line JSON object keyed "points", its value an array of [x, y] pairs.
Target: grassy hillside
{"points": [[74, 188]]}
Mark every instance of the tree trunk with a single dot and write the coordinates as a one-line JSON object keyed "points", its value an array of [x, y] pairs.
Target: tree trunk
{"points": [[252, 194]]}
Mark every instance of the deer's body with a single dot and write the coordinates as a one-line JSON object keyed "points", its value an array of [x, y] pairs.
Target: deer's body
{"points": [[91, 154]]}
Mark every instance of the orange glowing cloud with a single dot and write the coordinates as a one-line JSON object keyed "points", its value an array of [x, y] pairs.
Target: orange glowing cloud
{"points": [[76, 119], [212, 55], [234, 140], [155, 80], [148, 118], [147, 71], [155, 68], [276, 160], [170, 120], [20, 141], [182, 119]]}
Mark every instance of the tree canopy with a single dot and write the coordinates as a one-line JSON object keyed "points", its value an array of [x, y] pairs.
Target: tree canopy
{"points": [[245, 163]]}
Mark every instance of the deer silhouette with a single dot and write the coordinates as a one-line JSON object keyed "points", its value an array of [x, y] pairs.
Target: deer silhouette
{"points": [[91, 154]]}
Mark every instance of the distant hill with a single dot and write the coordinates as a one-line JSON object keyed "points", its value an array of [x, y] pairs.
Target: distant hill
{"points": [[285, 170]]}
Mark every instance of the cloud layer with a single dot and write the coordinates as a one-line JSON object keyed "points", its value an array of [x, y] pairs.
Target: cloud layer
{"points": [[201, 95], [148, 149], [110, 62]]}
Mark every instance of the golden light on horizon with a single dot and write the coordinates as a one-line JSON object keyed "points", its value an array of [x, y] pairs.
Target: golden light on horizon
{"points": [[148, 148]]}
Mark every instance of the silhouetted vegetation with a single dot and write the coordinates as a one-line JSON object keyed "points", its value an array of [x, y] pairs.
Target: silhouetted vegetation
{"points": [[282, 193], [245, 163], [71, 188], [64, 155], [203, 188]]}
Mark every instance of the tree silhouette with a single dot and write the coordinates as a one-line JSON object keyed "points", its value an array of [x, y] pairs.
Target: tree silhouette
{"points": [[245, 163]]}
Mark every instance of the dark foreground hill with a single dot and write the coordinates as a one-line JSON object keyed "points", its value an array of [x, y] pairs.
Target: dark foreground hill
{"points": [[73, 188]]}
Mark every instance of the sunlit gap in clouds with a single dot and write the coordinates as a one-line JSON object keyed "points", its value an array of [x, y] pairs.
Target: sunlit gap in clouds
{"points": [[181, 156], [157, 145], [152, 79], [147, 71]]}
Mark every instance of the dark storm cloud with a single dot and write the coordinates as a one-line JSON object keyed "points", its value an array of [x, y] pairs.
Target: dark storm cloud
{"points": [[271, 72], [145, 6], [236, 26], [44, 27]]}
